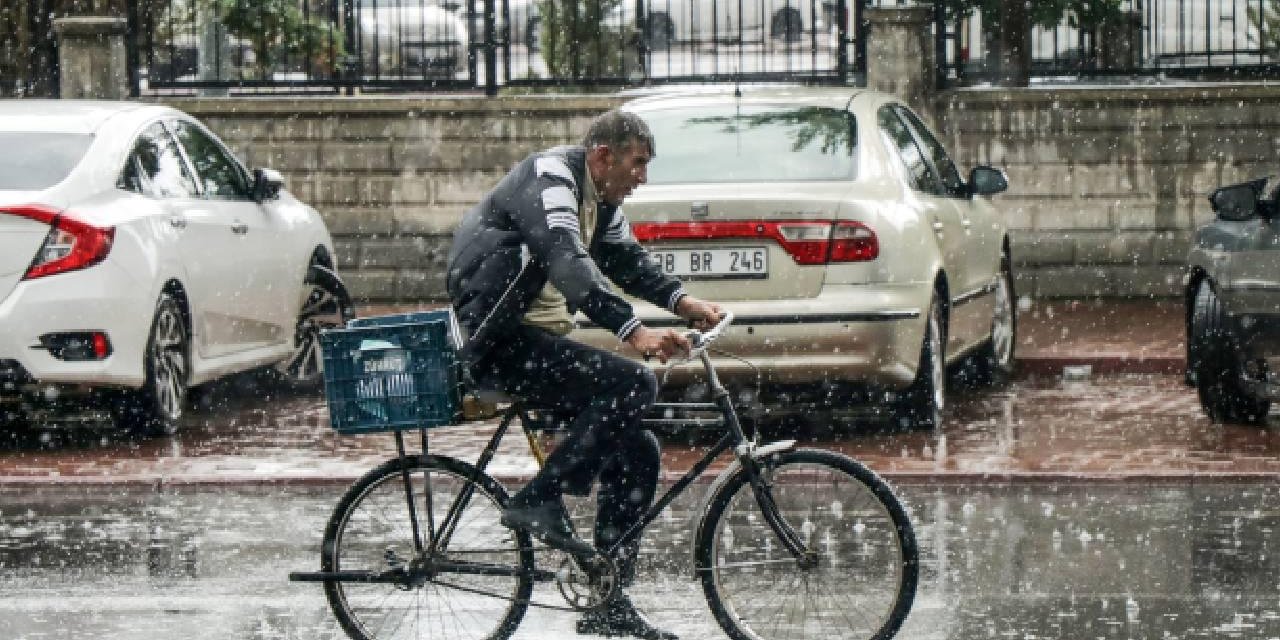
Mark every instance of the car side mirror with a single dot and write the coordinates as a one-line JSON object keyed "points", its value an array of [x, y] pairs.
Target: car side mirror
{"points": [[1238, 202], [985, 181], [267, 184]]}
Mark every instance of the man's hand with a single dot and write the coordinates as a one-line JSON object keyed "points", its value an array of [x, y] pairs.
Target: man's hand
{"points": [[663, 343], [704, 315]]}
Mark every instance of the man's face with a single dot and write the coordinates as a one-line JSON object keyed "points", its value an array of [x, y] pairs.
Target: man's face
{"points": [[624, 170]]}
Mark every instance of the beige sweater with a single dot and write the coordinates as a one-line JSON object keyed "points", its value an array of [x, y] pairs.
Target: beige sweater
{"points": [[550, 310]]}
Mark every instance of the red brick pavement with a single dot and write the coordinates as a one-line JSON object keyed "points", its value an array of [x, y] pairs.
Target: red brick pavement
{"points": [[1111, 336]]}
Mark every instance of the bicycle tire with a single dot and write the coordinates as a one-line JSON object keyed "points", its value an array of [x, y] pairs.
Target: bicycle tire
{"points": [[868, 560], [370, 530]]}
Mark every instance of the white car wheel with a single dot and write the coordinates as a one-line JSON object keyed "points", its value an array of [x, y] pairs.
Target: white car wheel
{"points": [[993, 363], [922, 403], [327, 305], [156, 408]]}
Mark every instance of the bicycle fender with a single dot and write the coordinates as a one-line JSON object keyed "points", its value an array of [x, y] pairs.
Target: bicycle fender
{"points": [[734, 467]]}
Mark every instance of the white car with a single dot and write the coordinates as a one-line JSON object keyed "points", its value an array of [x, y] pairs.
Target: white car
{"points": [[522, 15], [411, 38], [840, 233], [139, 258], [670, 21]]}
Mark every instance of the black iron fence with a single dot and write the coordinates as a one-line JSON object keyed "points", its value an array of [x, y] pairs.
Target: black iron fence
{"points": [[186, 46], [1201, 39], [328, 45], [28, 48]]}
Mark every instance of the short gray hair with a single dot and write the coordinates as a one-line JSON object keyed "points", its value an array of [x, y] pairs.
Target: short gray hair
{"points": [[617, 129]]}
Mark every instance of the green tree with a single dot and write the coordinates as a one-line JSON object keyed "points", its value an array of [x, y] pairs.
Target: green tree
{"points": [[1265, 20], [1085, 15], [1007, 27], [279, 29], [583, 39]]}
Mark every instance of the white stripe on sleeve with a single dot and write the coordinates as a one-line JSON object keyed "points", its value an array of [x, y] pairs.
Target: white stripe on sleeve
{"points": [[675, 299], [552, 166], [567, 221], [619, 229], [559, 198], [627, 327]]}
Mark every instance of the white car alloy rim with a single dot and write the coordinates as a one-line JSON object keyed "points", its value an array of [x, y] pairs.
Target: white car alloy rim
{"points": [[169, 362], [321, 310], [938, 370]]}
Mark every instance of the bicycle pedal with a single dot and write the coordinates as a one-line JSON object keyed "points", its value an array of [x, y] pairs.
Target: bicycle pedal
{"points": [[392, 559]]}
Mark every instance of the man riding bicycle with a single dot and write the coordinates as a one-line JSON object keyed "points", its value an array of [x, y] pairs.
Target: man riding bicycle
{"points": [[536, 249]]}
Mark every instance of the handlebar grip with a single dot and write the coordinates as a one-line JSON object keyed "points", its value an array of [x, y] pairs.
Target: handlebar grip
{"points": [[702, 340]]}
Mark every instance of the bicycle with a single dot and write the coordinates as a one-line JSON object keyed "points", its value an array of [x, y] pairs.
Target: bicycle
{"points": [[791, 542]]}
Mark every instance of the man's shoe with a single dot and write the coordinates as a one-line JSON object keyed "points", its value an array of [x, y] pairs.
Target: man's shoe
{"points": [[548, 522], [620, 618]]}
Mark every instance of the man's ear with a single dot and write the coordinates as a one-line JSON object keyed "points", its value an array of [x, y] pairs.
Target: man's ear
{"points": [[600, 153]]}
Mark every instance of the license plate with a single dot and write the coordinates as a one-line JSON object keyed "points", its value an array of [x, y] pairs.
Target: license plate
{"points": [[730, 262]]}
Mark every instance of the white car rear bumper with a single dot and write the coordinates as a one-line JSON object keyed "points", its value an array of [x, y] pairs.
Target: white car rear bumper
{"points": [[100, 298]]}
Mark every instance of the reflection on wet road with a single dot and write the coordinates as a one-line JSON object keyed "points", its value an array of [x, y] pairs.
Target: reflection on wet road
{"points": [[1181, 560]]}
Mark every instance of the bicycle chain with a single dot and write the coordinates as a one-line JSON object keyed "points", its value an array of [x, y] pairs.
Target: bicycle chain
{"points": [[613, 588]]}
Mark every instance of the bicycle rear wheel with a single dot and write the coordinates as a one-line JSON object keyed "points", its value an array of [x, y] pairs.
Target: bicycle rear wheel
{"points": [[371, 531], [867, 564]]}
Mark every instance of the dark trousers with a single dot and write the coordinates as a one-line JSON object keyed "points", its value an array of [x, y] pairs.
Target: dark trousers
{"points": [[607, 395]]}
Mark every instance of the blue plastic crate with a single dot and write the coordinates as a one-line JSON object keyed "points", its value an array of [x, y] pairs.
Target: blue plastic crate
{"points": [[392, 372], [416, 317]]}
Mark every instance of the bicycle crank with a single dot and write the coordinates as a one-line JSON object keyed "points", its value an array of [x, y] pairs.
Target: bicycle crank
{"points": [[587, 584]]}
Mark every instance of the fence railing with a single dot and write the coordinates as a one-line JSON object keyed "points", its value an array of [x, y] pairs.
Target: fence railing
{"points": [[1202, 39], [328, 45], [188, 46]]}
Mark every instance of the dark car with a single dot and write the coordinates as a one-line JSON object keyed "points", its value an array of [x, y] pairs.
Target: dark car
{"points": [[1233, 303]]}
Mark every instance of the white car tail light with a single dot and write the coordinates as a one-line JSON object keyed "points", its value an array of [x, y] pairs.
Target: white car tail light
{"points": [[853, 242], [808, 242], [70, 245]]}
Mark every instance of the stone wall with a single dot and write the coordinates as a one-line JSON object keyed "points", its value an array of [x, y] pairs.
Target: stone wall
{"points": [[392, 176], [1106, 185]]}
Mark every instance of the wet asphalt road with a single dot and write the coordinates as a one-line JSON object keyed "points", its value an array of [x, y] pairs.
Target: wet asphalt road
{"points": [[1028, 560], [1101, 509]]}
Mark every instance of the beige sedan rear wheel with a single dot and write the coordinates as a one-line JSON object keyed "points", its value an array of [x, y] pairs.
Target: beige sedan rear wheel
{"points": [[922, 403]]}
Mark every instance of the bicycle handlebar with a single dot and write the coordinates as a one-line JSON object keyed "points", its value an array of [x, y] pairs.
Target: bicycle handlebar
{"points": [[700, 341]]}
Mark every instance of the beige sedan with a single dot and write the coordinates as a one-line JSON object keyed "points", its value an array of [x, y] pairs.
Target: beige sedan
{"points": [[840, 233]]}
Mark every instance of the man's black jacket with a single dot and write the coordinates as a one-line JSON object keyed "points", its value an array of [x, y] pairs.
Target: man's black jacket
{"points": [[525, 232]]}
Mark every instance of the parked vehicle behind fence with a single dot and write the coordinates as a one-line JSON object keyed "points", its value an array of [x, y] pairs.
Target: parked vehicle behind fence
{"points": [[748, 21], [412, 38]]}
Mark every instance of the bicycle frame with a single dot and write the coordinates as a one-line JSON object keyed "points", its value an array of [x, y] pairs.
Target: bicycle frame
{"points": [[746, 451]]}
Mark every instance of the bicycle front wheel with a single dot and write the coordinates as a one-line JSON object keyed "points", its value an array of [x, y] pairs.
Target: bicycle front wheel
{"points": [[476, 585], [864, 580]]}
